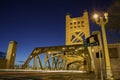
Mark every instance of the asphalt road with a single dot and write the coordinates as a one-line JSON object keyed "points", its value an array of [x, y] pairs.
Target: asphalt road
{"points": [[36, 75]]}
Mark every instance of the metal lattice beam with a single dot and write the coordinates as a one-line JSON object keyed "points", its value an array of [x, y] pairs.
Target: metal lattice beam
{"points": [[57, 57]]}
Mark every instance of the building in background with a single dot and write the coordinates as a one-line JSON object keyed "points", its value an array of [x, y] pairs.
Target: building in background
{"points": [[114, 53]]}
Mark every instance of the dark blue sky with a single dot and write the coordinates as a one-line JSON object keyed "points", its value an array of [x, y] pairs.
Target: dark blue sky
{"points": [[37, 23]]}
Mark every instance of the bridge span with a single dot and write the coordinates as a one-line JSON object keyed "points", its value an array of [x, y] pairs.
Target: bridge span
{"points": [[67, 57]]}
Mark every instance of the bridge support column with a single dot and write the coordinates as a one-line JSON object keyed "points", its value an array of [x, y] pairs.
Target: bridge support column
{"points": [[40, 62], [35, 63]]}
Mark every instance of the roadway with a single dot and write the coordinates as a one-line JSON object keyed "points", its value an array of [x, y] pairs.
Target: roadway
{"points": [[45, 75]]}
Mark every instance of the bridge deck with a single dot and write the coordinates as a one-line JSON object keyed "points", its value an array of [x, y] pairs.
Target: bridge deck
{"points": [[46, 75]]}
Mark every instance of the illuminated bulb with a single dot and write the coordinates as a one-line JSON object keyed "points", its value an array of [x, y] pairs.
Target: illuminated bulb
{"points": [[49, 52], [106, 15], [95, 16], [30, 56], [76, 50], [92, 50], [63, 48]]}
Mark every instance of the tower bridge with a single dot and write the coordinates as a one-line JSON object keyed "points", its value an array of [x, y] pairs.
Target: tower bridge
{"points": [[75, 55], [72, 56]]}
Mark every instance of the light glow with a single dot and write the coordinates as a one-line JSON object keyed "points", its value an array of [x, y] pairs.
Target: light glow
{"points": [[95, 16], [106, 15]]}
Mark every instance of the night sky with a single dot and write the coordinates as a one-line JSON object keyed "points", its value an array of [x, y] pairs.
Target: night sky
{"points": [[38, 23]]}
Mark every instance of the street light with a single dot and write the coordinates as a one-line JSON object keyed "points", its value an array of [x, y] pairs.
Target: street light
{"points": [[101, 21]]}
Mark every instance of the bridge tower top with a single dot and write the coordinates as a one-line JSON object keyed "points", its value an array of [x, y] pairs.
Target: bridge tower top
{"points": [[77, 29]]}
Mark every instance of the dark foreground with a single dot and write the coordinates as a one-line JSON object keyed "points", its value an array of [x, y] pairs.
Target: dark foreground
{"points": [[37, 75]]}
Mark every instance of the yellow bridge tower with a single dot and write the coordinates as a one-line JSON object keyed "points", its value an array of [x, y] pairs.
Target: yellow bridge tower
{"points": [[77, 29], [11, 54]]}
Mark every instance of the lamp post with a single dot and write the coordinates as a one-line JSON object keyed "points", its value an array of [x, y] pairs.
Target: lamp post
{"points": [[101, 21]]}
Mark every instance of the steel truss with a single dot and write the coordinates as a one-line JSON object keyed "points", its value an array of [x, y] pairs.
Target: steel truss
{"points": [[66, 57]]}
